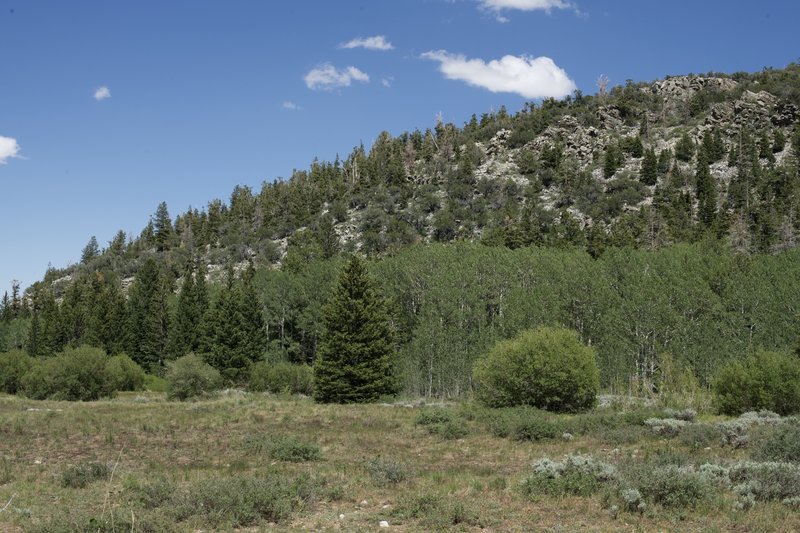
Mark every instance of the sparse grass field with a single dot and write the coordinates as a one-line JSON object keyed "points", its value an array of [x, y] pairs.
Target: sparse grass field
{"points": [[247, 462]]}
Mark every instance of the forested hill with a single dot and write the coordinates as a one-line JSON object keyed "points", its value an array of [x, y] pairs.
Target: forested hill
{"points": [[643, 164], [700, 173]]}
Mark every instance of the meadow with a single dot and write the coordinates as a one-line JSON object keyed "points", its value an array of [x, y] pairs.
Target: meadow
{"points": [[251, 461]]}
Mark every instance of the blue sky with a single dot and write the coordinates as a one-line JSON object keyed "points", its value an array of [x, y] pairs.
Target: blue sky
{"points": [[108, 108]]}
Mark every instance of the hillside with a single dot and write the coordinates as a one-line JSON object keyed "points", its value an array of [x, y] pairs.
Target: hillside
{"points": [[656, 219], [622, 168]]}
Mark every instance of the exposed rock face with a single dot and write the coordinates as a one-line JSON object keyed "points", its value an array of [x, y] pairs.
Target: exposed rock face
{"points": [[498, 143], [610, 117], [752, 110], [683, 87], [578, 141]]}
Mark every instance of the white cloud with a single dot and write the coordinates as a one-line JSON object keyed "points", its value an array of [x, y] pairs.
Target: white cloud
{"points": [[327, 77], [291, 106], [531, 77], [387, 82], [526, 5], [101, 93], [8, 148], [377, 42]]}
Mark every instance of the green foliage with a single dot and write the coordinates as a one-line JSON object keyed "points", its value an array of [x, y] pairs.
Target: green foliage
{"points": [[649, 169], [283, 448], [354, 363], [80, 475], [579, 475], [387, 471], [781, 443], [233, 503], [125, 374], [684, 149], [764, 380], [13, 366], [78, 374], [190, 377], [675, 487], [281, 377], [148, 316], [548, 368]]}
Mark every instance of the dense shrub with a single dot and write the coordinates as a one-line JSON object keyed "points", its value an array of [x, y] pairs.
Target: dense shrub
{"points": [[13, 365], [75, 374], [765, 380], [387, 471], [79, 476], [281, 377], [765, 481], [779, 444], [189, 376], [578, 474], [547, 368], [282, 448], [125, 374], [238, 502], [673, 486]]}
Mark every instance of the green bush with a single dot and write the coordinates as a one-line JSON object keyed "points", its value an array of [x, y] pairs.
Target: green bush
{"points": [[234, 503], [676, 487], [125, 374], [79, 476], [548, 368], [765, 380], [580, 475], [189, 377], [281, 377], [429, 417], [779, 444], [78, 374], [387, 472], [283, 448], [13, 365]]}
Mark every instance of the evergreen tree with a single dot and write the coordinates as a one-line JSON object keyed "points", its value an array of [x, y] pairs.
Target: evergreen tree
{"points": [[147, 318], [16, 303], [684, 150], [187, 326], [354, 361], [5, 308], [251, 320], [162, 227], [612, 160], [706, 192], [649, 170], [90, 251]]}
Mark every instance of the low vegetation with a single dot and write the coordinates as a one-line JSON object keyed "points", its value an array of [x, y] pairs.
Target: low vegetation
{"points": [[139, 462]]}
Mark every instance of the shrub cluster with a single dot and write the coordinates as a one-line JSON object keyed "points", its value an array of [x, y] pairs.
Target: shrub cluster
{"points": [[548, 368], [765, 380], [80, 475], [283, 448], [190, 377], [82, 373], [281, 377], [442, 423], [579, 475]]}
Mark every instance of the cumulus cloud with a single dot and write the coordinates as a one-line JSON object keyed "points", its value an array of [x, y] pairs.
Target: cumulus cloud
{"points": [[291, 106], [531, 77], [377, 42], [327, 77], [101, 93], [8, 148], [526, 5], [387, 82]]}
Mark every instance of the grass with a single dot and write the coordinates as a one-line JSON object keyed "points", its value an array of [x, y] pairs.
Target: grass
{"points": [[254, 461]]}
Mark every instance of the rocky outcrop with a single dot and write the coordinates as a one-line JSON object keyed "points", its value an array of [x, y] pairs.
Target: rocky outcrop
{"points": [[683, 87]]}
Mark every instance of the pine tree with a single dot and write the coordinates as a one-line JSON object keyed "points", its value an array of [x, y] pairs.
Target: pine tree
{"points": [[251, 319], [5, 308], [186, 334], [147, 318], [649, 171], [684, 150], [354, 361], [90, 251], [162, 227], [706, 192]]}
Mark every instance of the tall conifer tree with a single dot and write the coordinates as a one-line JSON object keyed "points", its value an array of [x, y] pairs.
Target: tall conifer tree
{"points": [[354, 361]]}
